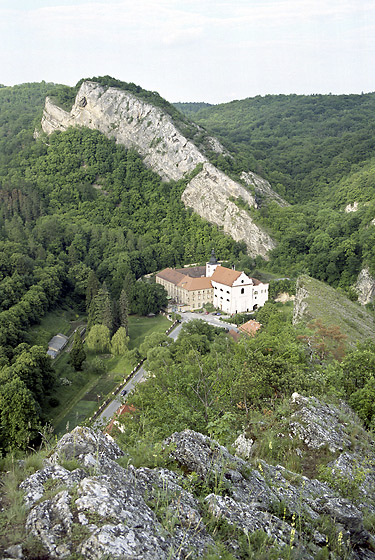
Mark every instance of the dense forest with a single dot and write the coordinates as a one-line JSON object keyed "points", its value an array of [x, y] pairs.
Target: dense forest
{"points": [[318, 152]]}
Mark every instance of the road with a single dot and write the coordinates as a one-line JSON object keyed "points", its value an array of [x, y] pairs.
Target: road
{"points": [[138, 377]]}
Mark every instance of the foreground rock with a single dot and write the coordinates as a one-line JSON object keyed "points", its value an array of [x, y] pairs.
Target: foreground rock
{"points": [[137, 124], [83, 504]]}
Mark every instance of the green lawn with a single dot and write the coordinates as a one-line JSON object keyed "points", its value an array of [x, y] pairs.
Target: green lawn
{"points": [[139, 327], [61, 320], [79, 400]]}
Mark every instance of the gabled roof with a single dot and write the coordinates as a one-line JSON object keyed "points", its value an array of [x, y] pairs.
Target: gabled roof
{"points": [[193, 271], [225, 275], [193, 284], [250, 327], [58, 342], [171, 275]]}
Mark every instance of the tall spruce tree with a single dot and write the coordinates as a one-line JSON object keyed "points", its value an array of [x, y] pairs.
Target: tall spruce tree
{"points": [[77, 354], [101, 311], [92, 289], [123, 306]]}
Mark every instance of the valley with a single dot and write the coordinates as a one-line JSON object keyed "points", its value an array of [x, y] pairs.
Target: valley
{"points": [[105, 185]]}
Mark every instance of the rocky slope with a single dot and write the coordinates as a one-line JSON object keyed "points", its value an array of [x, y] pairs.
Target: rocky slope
{"points": [[310, 304], [212, 502], [135, 123]]}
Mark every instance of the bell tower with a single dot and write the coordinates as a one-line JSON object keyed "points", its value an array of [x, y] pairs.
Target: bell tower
{"points": [[211, 264]]}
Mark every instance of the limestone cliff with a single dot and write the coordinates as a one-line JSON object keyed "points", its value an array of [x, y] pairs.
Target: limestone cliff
{"points": [[212, 503], [135, 123], [365, 287]]}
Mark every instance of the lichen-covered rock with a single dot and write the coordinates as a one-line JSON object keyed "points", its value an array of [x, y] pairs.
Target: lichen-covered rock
{"points": [[83, 441], [318, 424], [137, 124], [201, 454], [105, 510], [51, 521], [34, 487], [345, 513]]}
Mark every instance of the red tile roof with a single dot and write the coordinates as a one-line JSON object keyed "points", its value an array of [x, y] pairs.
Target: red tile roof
{"points": [[225, 275], [171, 275], [193, 284], [250, 327]]}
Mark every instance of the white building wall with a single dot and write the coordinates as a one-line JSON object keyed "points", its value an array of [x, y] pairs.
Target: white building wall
{"points": [[210, 269], [241, 297]]}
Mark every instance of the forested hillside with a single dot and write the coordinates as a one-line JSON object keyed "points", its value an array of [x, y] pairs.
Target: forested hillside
{"points": [[301, 144], [318, 152], [72, 207]]}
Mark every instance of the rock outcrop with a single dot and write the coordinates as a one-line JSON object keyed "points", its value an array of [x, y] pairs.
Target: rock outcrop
{"points": [[135, 123], [365, 287], [262, 188], [101, 509]]}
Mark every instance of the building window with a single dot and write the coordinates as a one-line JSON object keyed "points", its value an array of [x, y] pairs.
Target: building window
{"points": [[242, 290], [227, 299], [227, 291]]}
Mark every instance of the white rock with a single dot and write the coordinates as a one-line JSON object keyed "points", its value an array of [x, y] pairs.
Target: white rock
{"points": [[137, 124]]}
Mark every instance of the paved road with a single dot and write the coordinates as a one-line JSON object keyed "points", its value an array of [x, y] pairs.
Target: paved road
{"points": [[138, 377]]}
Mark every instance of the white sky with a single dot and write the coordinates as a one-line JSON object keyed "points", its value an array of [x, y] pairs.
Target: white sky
{"points": [[193, 50]]}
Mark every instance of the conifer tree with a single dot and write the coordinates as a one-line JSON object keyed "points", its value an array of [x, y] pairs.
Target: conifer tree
{"points": [[77, 354], [92, 289], [123, 305], [101, 311]]}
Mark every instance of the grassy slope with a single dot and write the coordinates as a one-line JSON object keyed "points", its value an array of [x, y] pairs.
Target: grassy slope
{"points": [[334, 308]]}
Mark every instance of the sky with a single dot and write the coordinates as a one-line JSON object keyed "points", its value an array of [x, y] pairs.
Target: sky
{"points": [[193, 50]]}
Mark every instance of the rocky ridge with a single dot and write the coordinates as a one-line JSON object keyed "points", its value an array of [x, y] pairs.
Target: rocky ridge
{"points": [[211, 501], [137, 124]]}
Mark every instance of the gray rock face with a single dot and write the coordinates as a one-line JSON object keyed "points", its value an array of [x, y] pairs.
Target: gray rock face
{"points": [[318, 424], [262, 188], [137, 124], [300, 303], [208, 194], [104, 510], [365, 287]]}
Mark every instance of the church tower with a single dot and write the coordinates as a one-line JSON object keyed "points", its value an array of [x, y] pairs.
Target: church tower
{"points": [[211, 264]]}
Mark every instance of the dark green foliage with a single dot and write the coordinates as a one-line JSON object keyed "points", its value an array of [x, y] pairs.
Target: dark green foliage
{"points": [[208, 383], [148, 298], [189, 109], [300, 143], [23, 387], [123, 307], [77, 353], [63, 96]]}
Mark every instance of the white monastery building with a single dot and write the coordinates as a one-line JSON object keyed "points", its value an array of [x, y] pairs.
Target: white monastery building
{"points": [[228, 290]]}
